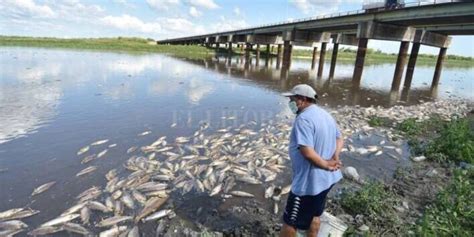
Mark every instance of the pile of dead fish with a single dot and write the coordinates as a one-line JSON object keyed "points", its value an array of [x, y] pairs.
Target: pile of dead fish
{"points": [[208, 164]]}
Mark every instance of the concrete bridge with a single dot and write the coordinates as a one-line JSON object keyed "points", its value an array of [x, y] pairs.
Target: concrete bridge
{"points": [[418, 23]]}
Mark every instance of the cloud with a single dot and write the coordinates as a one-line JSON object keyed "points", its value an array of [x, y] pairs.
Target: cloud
{"points": [[162, 4], [320, 7], [194, 12], [25, 9], [208, 4], [127, 22], [182, 25], [225, 24], [237, 11]]}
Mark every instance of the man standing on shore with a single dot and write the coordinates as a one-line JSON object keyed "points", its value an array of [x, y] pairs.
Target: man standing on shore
{"points": [[315, 144]]}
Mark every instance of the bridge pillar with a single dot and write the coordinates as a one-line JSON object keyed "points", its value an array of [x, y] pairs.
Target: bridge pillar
{"points": [[322, 55], [287, 50], [360, 59], [411, 65], [217, 46], [400, 66], [268, 50], [278, 62], [257, 54], [248, 47], [313, 61], [439, 67], [335, 49]]}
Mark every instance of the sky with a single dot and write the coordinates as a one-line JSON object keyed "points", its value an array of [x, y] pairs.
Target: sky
{"points": [[161, 19]]}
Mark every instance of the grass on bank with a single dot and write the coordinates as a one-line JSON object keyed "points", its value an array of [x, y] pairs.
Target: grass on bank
{"points": [[140, 45], [448, 142]]}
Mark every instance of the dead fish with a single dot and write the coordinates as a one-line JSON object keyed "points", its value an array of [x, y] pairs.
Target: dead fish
{"points": [[144, 133], [181, 140], [17, 214], [113, 220], [100, 142], [216, 190], [102, 153], [61, 220], [95, 205], [275, 208], [45, 230], [85, 215], [173, 125], [88, 159], [286, 190], [112, 145], [378, 153], [11, 212], [76, 228], [83, 150], [74, 209], [150, 207], [10, 232], [13, 225], [113, 232], [269, 191], [42, 188], [157, 215], [131, 149], [86, 170], [241, 194]]}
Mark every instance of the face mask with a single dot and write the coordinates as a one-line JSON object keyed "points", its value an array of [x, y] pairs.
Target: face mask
{"points": [[293, 107]]}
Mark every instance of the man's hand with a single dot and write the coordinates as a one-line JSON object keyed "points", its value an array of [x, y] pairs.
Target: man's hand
{"points": [[333, 164]]}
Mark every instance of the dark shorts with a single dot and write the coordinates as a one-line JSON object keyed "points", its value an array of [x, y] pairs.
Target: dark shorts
{"points": [[300, 210]]}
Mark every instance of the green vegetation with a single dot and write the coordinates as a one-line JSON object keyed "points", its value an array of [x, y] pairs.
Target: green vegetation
{"points": [[452, 214], [120, 44], [453, 140], [375, 121], [375, 202], [140, 45]]}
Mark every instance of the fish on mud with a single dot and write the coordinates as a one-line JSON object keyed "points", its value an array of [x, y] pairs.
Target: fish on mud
{"points": [[76, 228], [42, 188], [157, 215], [102, 153], [241, 194], [61, 220], [150, 207], [114, 231], [17, 213], [45, 230], [113, 220], [13, 225], [86, 170]]}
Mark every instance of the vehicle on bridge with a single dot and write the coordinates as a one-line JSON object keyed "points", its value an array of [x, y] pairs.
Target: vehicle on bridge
{"points": [[381, 5]]}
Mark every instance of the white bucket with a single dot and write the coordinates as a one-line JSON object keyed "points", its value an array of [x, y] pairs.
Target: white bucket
{"points": [[330, 226]]}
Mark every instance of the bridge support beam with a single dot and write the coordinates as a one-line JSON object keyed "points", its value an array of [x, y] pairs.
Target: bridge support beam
{"points": [[268, 50], [439, 67], [257, 54], [411, 65], [322, 55], [230, 47], [248, 47], [400, 66], [287, 50], [360, 59], [279, 55], [315, 55], [335, 50]]}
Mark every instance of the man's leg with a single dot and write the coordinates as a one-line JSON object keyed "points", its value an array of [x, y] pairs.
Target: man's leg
{"points": [[314, 227], [287, 231]]}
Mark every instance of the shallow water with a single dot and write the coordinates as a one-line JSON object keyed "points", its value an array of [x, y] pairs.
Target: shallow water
{"points": [[53, 102]]}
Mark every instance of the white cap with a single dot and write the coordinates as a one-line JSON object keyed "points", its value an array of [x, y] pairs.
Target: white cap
{"points": [[303, 90]]}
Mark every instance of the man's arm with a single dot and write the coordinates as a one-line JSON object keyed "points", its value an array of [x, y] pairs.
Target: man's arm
{"points": [[310, 154], [339, 145]]}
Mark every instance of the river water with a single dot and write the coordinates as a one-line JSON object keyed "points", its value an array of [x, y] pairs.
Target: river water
{"points": [[53, 102]]}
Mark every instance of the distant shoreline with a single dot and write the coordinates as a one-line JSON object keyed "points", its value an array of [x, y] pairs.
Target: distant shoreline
{"points": [[141, 45]]}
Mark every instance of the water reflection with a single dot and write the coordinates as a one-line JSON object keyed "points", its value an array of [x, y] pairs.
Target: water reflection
{"points": [[373, 91]]}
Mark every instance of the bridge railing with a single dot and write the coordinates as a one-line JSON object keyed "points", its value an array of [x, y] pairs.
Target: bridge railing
{"points": [[416, 3]]}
